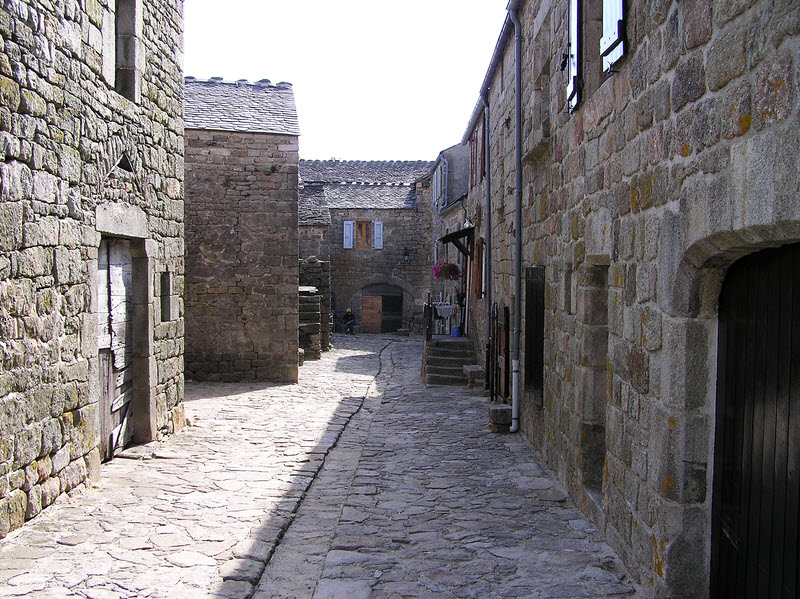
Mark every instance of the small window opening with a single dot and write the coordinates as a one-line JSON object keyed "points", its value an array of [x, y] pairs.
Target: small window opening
{"points": [[126, 48], [166, 296]]}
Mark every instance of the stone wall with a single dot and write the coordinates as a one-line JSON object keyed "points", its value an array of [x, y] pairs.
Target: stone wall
{"points": [[354, 269], [81, 163], [242, 256], [682, 160], [316, 273], [314, 241], [310, 324]]}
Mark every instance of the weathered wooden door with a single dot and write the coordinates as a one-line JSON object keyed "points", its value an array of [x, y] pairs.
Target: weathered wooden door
{"points": [[115, 336], [755, 530], [371, 313]]}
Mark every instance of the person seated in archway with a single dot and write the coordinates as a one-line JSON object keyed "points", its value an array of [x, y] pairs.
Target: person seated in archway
{"points": [[349, 321]]}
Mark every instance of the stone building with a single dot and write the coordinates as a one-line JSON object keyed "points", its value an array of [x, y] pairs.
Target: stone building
{"points": [[376, 219], [638, 160], [241, 231], [449, 186], [91, 240]]}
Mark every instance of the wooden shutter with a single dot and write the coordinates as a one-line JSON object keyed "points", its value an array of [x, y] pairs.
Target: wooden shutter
{"points": [[377, 235], [612, 44], [349, 225], [574, 56]]}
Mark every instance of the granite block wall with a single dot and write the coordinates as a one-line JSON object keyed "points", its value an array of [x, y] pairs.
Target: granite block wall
{"points": [[80, 162], [241, 256], [680, 161]]}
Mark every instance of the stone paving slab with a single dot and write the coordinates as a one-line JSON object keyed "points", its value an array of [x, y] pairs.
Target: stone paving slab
{"points": [[437, 506], [357, 483], [175, 520]]}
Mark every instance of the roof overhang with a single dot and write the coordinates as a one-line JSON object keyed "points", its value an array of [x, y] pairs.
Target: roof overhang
{"points": [[458, 239]]}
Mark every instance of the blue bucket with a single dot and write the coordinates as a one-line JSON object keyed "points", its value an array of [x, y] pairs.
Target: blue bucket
{"points": [[455, 331]]}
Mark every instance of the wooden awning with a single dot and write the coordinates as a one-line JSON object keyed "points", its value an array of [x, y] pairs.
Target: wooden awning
{"points": [[457, 239]]}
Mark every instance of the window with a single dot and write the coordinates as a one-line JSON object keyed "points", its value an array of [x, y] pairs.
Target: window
{"points": [[596, 42], [534, 330], [439, 186], [126, 80], [612, 44], [363, 235], [167, 299], [477, 167], [478, 265]]}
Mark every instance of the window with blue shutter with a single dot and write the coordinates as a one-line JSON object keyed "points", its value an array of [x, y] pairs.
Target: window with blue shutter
{"points": [[349, 225], [377, 235], [612, 44]]}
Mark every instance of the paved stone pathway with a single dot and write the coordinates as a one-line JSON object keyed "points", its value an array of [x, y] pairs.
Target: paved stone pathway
{"points": [[348, 485]]}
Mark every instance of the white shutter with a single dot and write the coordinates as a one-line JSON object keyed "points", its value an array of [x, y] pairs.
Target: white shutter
{"points": [[573, 53], [349, 225], [612, 44], [377, 235]]}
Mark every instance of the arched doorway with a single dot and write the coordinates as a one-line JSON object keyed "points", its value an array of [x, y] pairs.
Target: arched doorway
{"points": [[381, 308], [756, 493]]}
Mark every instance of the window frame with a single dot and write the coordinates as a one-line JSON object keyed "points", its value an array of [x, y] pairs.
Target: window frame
{"points": [[363, 235]]}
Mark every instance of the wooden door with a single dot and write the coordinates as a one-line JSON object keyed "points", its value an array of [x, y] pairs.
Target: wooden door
{"points": [[755, 530], [371, 313], [115, 336], [392, 313]]}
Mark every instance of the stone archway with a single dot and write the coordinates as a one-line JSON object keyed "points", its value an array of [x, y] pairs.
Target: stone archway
{"points": [[690, 282]]}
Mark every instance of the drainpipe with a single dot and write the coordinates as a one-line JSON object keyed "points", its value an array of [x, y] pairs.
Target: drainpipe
{"points": [[487, 249], [512, 12]]}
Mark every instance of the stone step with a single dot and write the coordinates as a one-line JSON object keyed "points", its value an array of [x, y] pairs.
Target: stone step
{"points": [[455, 371], [438, 379], [446, 361], [451, 353]]}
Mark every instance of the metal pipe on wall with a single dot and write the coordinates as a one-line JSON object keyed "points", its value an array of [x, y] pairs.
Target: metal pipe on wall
{"points": [[515, 386]]}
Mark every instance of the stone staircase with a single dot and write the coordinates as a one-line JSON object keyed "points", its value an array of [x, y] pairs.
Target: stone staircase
{"points": [[444, 359]]}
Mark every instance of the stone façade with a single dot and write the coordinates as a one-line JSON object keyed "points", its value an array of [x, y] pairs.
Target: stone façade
{"points": [[241, 231], [394, 193], [683, 159], [84, 165]]}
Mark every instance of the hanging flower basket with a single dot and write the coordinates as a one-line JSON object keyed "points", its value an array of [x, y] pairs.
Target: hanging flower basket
{"points": [[445, 271]]}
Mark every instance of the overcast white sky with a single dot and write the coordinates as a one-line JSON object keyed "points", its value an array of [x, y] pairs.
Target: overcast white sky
{"points": [[373, 79]]}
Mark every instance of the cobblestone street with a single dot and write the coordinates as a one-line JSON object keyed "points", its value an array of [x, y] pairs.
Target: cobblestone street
{"points": [[358, 482]]}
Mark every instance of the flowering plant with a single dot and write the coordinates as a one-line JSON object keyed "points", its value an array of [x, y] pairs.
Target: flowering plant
{"points": [[445, 271]]}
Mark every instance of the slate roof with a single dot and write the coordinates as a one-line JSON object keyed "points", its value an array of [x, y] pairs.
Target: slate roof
{"points": [[240, 106], [364, 171], [353, 184]]}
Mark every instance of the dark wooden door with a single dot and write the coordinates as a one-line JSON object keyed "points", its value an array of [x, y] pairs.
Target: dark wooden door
{"points": [[115, 340], [371, 313], [755, 530], [392, 317]]}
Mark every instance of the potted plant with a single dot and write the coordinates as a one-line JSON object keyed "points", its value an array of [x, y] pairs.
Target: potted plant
{"points": [[446, 271]]}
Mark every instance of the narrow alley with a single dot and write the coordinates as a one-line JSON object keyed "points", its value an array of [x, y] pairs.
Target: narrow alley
{"points": [[356, 483]]}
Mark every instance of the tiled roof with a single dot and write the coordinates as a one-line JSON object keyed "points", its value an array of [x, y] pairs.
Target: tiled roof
{"points": [[364, 171], [241, 106]]}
